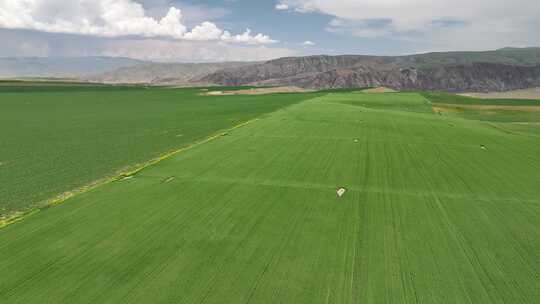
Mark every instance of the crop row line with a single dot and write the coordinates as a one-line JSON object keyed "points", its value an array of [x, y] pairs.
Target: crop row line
{"points": [[62, 198]]}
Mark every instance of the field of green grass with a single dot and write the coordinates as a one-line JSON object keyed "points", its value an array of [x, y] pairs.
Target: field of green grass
{"points": [[438, 209], [57, 137], [411, 102], [513, 115], [446, 98]]}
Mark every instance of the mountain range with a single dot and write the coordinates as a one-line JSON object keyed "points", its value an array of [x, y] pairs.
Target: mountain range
{"points": [[499, 70]]}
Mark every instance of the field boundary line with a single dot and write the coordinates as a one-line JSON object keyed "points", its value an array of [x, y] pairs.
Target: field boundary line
{"points": [[119, 175]]}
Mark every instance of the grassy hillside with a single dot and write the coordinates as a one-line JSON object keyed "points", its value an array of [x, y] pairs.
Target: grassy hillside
{"points": [[56, 137], [438, 209]]}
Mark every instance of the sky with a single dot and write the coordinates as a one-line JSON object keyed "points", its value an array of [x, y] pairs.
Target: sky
{"points": [[250, 30]]}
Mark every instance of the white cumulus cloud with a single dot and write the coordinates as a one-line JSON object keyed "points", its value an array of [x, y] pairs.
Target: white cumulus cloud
{"points": [[308, 43], [204, 32], [282, 6], [478, 23], [247, 38], [111, 18]]}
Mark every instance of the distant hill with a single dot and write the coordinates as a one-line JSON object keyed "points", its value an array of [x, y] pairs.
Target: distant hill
{"points": [[510, 56], [61, 67], [163, 73], [500, 70]]}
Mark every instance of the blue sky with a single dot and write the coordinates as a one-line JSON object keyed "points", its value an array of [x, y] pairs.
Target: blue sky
{"points": [[216, 30]]}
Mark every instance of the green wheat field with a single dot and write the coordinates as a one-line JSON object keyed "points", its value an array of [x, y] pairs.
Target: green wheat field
{"points": [[442, 202]]}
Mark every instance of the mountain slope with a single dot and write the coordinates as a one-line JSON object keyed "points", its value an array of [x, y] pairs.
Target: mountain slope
{"points": [[457, 78], [499, 70]]}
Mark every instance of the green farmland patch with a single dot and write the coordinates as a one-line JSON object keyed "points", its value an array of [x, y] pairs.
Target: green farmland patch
{"points": [[446, 98], [56, 138], [501, 111], [437, 209], [390, 101]]}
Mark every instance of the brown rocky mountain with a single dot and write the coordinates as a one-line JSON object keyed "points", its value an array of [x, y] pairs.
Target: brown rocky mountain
{"points": [[501, 70], [475, 77]]}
